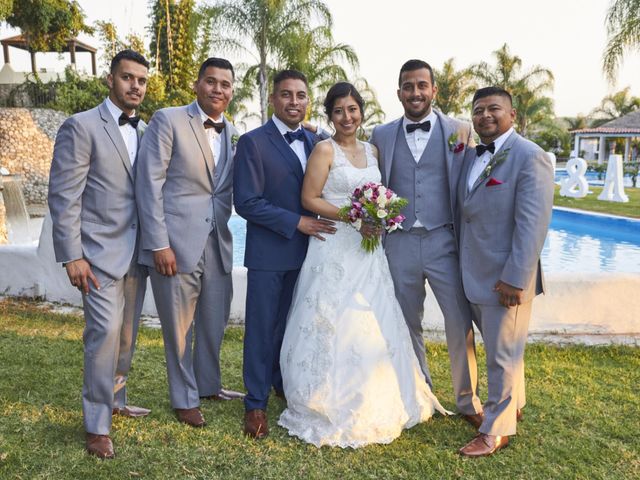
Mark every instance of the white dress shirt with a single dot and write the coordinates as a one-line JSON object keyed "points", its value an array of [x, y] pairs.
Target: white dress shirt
{"points": [[481, 162], [215, 139], [129, 134], [417, 140], [297, 145]]}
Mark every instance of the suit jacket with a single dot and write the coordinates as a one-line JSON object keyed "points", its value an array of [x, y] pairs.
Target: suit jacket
{"points": [[91, 193], [267, 186], [455, 133], [503, 221], [181, 193]]}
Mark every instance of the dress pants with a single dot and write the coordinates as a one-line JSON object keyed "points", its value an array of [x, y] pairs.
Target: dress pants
{"points": [[417, 255], [203, 295], [269, 297], [112, 316], [504, 332]]}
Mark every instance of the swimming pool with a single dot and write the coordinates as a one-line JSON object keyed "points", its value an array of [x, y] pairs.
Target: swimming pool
{"points": [[576, 242]]}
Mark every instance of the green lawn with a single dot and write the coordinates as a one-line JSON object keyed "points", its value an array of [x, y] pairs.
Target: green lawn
{"points": [[591, 202], [582, 420]]}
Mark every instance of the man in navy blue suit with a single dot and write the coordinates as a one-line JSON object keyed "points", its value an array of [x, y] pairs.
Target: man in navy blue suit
{"points": [[268, 169]]}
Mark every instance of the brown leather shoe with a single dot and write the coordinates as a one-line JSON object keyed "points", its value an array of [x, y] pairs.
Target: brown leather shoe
{"points": [[484, 445], [255, 424], [131, 411], [475, 419], [519, 415], [224, 395], [191, 416], [99, 445]]}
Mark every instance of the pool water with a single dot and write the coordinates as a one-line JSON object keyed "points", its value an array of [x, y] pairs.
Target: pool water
{"points": [[576, 242]]}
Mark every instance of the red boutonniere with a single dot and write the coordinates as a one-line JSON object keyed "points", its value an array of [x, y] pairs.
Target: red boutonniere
{"points": [[493, 182], [458, 148]]}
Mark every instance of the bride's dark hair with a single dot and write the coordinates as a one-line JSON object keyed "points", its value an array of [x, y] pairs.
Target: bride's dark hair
{"points": [[341, 90]]}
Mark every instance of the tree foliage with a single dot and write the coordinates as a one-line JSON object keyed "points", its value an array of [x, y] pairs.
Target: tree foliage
{"points": [[6, 7], [614, 106], [47, 24], [174, 28], [623, 31], [262, 30], [528, 88], [455, 88]]}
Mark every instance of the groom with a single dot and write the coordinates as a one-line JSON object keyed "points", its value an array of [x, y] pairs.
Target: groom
{"points": [[267, 182], [420, 159], [504, 209]]}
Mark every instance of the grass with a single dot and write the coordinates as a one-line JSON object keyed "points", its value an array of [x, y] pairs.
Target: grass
{"points": [[582, 420], [592, 204]]}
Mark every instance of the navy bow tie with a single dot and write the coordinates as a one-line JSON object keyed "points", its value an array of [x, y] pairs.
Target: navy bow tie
{"points": [[412, 127], [124, 119], [292, 136], [480, 149], [218, 126]]}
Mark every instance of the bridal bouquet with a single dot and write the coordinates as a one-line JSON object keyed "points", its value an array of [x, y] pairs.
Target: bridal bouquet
{"points": [[376, 205]]}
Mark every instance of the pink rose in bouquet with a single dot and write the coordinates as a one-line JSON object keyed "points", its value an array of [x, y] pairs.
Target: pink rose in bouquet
{"points": [[375, 205]]}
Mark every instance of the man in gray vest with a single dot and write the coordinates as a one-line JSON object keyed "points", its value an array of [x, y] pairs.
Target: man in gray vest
{"points": [[421, 155]]}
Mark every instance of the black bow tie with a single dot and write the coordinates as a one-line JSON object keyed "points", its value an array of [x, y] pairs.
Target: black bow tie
{"points": [[124, 119], [297, 135], [218, 126], [480, 149], [412, 127]]}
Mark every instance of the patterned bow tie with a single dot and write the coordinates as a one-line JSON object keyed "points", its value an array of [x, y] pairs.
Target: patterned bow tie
{"points": [[218, 126], [480, 149], [297, 135], [412, 127], [124, 119]]}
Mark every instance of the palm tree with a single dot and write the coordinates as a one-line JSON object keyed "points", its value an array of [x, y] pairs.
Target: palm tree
{"points": [[454, 88], [373, 113], [615, 106], [315, 53], [527, 89], [264, 26], [623, 30], [577, 123]]}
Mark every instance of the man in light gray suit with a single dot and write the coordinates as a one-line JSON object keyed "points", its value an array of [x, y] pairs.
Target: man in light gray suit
{"points": [[504, 209], [95, 227], [420, 159], [183, 189]]}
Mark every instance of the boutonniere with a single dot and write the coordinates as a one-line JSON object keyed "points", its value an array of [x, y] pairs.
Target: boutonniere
{"points": [[454, 145], [141, 129], [493, 163], [234, 139]]}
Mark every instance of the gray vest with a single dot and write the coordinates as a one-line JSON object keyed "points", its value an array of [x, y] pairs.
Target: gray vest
{"points": [[425, 183], [216, 175]]}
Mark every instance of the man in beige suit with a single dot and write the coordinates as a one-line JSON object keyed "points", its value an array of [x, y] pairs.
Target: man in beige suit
{"points": [[505, 197]]}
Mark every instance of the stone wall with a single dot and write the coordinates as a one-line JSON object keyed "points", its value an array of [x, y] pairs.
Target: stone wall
{"points": [[26, 147]]}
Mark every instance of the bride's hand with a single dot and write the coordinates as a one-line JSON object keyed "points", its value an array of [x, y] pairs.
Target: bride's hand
{"points": [[368, 231]]}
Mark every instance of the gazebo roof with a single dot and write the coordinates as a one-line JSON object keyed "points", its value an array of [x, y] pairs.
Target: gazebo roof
{"points": [[19, 41], [629, 123]]}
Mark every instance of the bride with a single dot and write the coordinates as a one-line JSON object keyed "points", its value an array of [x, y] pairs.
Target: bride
{"points": [[350, 374]]}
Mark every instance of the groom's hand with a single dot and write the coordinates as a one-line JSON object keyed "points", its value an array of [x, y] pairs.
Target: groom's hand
{"points": [[510, 296], [315, 226], [165, 262]]}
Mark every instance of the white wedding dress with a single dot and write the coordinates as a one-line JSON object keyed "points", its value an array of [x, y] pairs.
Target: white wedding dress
{"points": [[350, 374]]}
